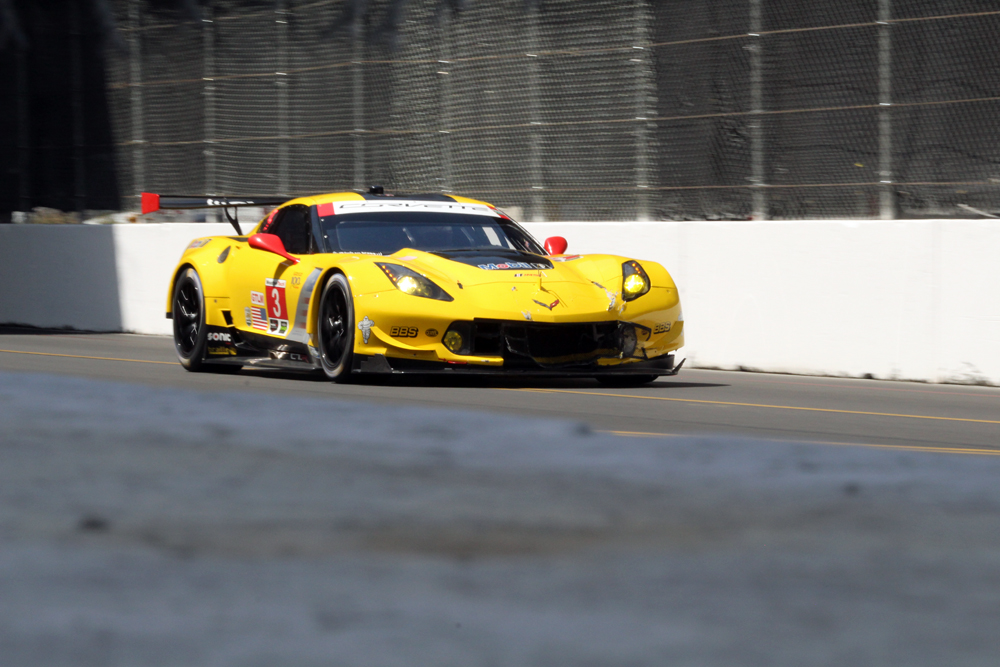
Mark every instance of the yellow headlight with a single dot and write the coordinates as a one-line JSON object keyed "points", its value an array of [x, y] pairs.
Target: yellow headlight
{"points": [[634, 285], [409, 285], [635, 282], [410, 282]]}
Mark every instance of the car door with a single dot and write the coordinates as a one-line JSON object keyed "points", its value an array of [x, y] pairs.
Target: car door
{"points": [[266, 286]]}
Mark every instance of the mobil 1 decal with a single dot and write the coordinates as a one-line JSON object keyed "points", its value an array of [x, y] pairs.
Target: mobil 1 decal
{"points": [[277, 311]]}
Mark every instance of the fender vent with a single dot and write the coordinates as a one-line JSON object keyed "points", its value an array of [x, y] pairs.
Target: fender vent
{"points": [[227, 317]]}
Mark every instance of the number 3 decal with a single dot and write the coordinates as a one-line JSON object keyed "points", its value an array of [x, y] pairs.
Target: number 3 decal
{"points": [[276, 300]]}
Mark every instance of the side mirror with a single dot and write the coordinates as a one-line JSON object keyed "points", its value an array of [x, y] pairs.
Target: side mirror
{"points": [[555, 245], [271, 243]]}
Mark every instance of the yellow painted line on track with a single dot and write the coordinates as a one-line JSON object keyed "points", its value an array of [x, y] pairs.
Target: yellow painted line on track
{"points": [[80, 356], [761, 405], [907, 448]]}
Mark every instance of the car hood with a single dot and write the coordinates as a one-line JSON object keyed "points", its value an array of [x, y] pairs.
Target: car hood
{"points": [[471, 268]]}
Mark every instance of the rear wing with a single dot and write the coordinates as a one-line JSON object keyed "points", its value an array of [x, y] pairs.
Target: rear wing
{"points": [[154, 202]]}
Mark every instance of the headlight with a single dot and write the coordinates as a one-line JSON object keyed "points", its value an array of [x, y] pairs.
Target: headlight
{"points": [[411, 282], [635, 282]]}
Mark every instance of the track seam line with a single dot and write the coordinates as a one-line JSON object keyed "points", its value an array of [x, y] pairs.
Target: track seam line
{"points": [[759, 405], [80, 356], [908, 448]]}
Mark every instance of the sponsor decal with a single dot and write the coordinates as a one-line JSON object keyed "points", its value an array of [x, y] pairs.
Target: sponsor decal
{"points": [[258, 318], [431, 333], [225, 351], [257, 298], [661, 327], [507, 266], [197, 243], [323, 210], [404, 332], [366, 327], [354, 206], [526, 314], [295, 356], [277, 311], [567, 258], [220, 337], [296, 280], [228, 202], [550, 306]]}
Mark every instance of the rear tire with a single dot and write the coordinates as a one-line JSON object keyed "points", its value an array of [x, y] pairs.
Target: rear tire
{"points": [[188, 309], [625, 380], [335, 329], [190, 333]]}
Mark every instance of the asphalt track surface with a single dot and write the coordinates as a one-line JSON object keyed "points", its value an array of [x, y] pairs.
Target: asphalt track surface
{"points": [[151, 516], [827, 412]]}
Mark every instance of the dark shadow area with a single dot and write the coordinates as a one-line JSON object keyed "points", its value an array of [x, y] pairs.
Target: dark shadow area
{"points": [[56, 149], [482, 381], [27, 330]]}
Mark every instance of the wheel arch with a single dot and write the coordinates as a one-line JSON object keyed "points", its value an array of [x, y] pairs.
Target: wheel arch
{"points": [[311, 323], [181, 268]]}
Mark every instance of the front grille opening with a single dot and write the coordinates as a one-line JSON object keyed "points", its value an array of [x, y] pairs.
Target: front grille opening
{"points": [[545, 345], [487, 338]]}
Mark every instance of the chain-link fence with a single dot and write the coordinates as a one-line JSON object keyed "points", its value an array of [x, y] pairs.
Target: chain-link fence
{"points": [[569, 109]]}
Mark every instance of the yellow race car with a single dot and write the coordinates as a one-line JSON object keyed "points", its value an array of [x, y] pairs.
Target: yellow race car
{"points": [[353, 283]]}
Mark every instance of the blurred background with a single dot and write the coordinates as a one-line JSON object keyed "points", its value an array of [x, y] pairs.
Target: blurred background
{"points": [[554, 109]]}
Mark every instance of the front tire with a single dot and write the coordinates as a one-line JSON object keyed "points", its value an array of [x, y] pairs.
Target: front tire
{"points": [[335, 329], [190, 335]]}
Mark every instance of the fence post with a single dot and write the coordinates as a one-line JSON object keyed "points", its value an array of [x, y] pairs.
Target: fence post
{"points": [[79, 139], [23, 130], [534, 118], [281, 81], [208, 49], [444, 74], [642, 113], [887, 204], [135, 85], [757, 181], [358, 95]]}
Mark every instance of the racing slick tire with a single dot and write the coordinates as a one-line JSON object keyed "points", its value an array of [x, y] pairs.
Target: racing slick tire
{"points": [[625, 380], [190, 332], [190, 335], [335, 329]]}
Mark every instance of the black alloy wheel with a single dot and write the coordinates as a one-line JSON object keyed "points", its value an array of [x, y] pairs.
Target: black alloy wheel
{"points": [[189, 320], [335, 329]]}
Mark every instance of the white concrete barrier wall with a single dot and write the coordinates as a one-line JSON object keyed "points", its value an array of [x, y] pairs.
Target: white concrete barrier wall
{"points": [[913, 299], [93, 277], [917, 300]]}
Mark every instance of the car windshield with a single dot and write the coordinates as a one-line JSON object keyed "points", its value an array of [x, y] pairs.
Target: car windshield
{"points": [[386, 232]]}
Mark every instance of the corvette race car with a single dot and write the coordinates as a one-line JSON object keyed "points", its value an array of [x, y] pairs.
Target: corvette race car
{"points": [[353, 283]]}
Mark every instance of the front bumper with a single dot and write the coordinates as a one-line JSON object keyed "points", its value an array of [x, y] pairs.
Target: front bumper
{"points": [[379, 363], [537, 348]]}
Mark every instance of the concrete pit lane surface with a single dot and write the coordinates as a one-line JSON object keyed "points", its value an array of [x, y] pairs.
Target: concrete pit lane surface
{"points": [[198, 520]]}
